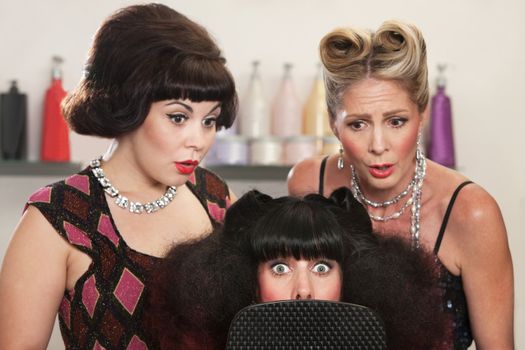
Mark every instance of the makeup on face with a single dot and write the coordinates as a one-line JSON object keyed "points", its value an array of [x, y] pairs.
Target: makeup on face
{"points": [[378, 126], [381, 171], [186, 167]]}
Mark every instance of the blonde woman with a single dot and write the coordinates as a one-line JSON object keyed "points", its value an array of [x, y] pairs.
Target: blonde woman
{"points": [[377, 97]]}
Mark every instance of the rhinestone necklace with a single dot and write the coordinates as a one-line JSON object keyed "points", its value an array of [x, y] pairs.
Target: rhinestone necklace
{"points": [[415, 186], [357, 189], [123, 202]]}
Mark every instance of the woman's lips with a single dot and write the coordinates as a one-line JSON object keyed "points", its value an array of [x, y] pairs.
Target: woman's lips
{"points": [[186, 167], [381, 171]]}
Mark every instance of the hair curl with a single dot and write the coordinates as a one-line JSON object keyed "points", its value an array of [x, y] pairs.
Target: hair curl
{"points": [[143, 54], [396, 51]]}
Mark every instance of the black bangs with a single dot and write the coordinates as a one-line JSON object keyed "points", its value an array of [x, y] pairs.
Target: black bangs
{"points": [[304, 230], [198, 79]]}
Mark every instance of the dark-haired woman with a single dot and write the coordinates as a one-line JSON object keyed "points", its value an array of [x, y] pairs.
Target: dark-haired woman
{"points": [[377, 98], [290, 248], [85, 247]]}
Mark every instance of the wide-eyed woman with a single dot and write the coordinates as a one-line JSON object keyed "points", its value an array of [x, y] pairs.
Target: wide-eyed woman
{"points": [[85, 247], [291, 248], [377, 97]]}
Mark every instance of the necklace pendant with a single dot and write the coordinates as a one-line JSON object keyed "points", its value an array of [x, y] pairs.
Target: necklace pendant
{"points": [[148, 207], [122, 201], [136, 208], [112, 191], [160, 203]]}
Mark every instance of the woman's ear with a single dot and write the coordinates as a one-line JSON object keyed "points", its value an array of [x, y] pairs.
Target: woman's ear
{"points": [[425, 117], [334, 128]]}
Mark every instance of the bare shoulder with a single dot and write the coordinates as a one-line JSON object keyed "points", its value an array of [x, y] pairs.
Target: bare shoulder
{"points": [[303, 178], [474, 213], [479, 213], [476, 227], [35, 231]]}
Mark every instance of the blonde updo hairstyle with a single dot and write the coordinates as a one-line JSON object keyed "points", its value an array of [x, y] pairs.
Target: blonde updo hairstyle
{"points": [[396, 52]]}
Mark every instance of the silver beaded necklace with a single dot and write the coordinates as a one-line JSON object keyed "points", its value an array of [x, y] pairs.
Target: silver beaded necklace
{"points": [[385, 203], [122, 201], [415, 185]]}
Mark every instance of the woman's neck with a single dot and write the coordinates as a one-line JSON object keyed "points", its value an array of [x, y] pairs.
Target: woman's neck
{"points": [[125, 172]]}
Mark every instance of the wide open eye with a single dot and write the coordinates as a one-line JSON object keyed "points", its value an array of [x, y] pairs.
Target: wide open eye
{"points": [[280, 268], [322, 268]]}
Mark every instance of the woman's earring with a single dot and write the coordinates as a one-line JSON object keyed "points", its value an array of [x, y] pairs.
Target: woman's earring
{"points": [[419, 149], [340, 160]]}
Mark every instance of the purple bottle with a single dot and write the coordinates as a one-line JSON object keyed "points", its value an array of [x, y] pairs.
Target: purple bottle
{"points": [[441, 143]]}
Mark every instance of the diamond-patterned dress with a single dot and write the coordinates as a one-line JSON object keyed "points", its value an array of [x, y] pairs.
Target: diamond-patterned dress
{"points": [[107, 307]]}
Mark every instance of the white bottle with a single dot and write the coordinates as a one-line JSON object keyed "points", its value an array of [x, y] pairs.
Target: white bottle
{"points": [[254, 120], [286, 111]]}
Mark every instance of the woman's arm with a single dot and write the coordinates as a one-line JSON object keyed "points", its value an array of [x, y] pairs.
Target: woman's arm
{"points": [[486, 269], [32, 283]]}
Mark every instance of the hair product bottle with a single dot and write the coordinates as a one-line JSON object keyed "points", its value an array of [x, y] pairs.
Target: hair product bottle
{"points": [[286, 111], [13, 116], [253, 118], [315, 113], [441, 142], [55, 132]]}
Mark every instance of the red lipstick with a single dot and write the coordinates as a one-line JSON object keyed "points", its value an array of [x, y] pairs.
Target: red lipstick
{"points": [[186, 167], [381, 171]]}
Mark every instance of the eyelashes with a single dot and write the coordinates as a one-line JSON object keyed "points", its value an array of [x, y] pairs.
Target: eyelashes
{"points": [[178, 118], [181, 118]]}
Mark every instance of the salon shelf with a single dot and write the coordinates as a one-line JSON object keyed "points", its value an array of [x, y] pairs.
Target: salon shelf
{"points": [[252, 172], [27, 168]]}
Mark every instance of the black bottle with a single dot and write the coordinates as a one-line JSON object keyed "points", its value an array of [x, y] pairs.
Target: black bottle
{"points": [[13, 119]]}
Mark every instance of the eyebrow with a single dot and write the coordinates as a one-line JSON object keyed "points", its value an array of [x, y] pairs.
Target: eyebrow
{"points": [[188, 107], [387, 113], [395, 111]]}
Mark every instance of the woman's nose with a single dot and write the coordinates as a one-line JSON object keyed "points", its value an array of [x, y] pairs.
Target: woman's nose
{"points": [[378, 142], [303, 287], [195, 137]]}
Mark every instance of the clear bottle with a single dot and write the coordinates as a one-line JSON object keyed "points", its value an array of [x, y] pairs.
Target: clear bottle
{"points": [[254, 119], [286, 109], [315, 112]]}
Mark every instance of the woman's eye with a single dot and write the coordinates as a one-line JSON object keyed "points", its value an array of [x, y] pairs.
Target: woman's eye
{"points": [[397, 122], [178, 118], [357, 125], [321, 268], [280, 269], [209, 122]]}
